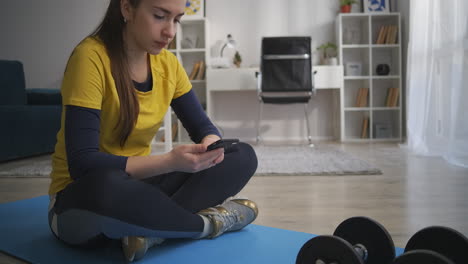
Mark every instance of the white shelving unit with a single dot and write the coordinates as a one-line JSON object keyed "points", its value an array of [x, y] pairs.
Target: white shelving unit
{"points": [[191, 47], [357, 35]]}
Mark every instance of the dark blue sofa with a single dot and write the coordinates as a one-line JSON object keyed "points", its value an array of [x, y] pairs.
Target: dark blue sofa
{"points": [[29, 118]]}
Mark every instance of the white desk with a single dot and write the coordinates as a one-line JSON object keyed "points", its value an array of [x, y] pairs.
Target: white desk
{"points": [[242, 80]]}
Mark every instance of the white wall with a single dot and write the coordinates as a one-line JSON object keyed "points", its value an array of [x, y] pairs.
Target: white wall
{"points": [[250, 20], [42, 34]]}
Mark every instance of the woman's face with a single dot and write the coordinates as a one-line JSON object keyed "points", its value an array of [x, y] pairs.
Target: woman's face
{"points": [[153, 24]]}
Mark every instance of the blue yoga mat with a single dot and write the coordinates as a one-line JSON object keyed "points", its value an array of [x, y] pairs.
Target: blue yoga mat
{"points": [[25, 234]]}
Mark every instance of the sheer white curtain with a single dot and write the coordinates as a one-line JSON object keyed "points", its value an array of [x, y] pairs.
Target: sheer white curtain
{"points": [[437, 84]]}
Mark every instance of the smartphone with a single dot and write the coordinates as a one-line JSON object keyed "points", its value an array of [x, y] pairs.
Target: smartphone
{"points": [[229, 145]]}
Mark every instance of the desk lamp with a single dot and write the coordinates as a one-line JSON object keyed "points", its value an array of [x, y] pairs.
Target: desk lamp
{"points": [[221, 61], [230, 42]]}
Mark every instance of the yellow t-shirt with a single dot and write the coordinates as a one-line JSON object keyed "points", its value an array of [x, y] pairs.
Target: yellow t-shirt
{"points": [[88, 82]]}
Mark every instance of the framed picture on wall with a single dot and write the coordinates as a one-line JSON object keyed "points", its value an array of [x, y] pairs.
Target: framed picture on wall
{"points": [[194, 9], [376, 6]]}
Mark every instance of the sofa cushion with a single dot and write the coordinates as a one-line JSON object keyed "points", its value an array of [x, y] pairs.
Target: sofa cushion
{"points": [[42, 96], [28, 130], [12, 84]]}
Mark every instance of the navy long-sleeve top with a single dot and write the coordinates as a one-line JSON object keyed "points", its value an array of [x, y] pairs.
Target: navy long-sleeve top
{"points": [[82, 132]]}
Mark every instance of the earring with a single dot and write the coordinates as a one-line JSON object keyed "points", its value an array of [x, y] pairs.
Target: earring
{"points": [[125, 20]]}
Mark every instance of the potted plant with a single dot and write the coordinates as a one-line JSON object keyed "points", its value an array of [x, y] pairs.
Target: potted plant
{"points": [[329, 52], [237, 59], [346, 5]]}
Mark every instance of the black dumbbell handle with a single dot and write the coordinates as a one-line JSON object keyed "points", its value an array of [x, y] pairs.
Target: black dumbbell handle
{"points": [[361, 250]]}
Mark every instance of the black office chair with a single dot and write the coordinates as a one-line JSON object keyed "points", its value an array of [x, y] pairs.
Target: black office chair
{"points": [[285, 75]]}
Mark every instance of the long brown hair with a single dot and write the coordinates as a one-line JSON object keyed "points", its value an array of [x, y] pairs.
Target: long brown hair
{"points": [[110, 31]]}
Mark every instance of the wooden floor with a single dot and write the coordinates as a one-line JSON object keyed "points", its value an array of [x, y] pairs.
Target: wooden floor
{"points": [[414, 192]]}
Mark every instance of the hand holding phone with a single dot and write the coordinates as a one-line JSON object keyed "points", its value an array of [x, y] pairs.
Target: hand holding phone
{"points": [[229, 145]]}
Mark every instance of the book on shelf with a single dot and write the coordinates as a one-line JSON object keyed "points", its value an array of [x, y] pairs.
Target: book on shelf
{"points": [[365, 127], [358, 98], [389, 96], [201, 71], [381, 36], [387, 34], [392, 97], [392, 35], [195, 69], [198, 71], [362, 97], [394, 101]]}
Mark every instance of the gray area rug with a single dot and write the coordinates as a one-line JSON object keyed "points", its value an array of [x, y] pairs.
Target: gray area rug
{"points": [[272, 160], [39, 166], [307, 161]]}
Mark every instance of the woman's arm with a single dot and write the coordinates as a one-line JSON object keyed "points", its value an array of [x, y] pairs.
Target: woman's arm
{"points": [[200, 128], [193, 118], [82, 145], [82, 142], [186, 158]]}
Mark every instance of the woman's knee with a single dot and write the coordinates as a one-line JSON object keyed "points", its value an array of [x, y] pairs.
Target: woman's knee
{"points": [[247, 158], [93, 190], [251, 161]]}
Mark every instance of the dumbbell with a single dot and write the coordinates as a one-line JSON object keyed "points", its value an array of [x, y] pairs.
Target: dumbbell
{"points": [[357, 240], [436, 245]]}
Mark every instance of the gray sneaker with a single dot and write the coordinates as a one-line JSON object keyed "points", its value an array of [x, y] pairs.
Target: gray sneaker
{"points": [[134, 247], [232, 215]]}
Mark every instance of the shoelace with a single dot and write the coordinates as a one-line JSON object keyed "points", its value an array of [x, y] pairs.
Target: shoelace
{"points": [[230, 219]]}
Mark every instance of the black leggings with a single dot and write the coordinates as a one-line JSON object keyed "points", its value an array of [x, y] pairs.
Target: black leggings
{"points": [[112, 204]]}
